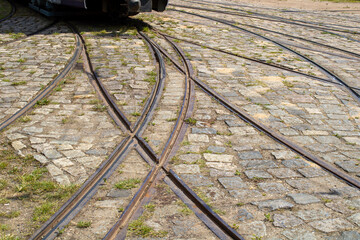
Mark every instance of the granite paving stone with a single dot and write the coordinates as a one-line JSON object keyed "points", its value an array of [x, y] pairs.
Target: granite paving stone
{"points": [[274, 204], [313, 214], [331, 225], [273, 187], [232, 182], [283, 173], [312, 172], [302, 198], [258, 174], [286, 221]]}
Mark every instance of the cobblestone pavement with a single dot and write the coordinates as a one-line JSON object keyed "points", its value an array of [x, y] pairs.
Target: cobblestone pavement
{"points": [[258, 186]]}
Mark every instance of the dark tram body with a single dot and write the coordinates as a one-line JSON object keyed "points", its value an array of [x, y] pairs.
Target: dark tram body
{"points": [[113, 8]]}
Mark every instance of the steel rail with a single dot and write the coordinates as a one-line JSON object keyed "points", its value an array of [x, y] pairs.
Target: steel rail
{"points": [[204, 212], [69, 210], [278, 66], [47, 90], [261, 127], [209, 217], [103, 92], [11, 13], [272, 16], [268, 19], [296, 37], [153, 175], [275, 136], [331, 75]]}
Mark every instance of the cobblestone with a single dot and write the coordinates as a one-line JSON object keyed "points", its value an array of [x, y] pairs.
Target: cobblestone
{"points": [[261, 188], [301, 198], [331, 225]]}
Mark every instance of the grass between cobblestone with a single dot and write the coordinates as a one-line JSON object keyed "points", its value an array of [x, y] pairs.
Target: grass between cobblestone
{"points": [[138, 227], [28, 197]]}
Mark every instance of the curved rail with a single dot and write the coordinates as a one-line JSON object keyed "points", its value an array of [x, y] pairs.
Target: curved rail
{"points": [[288, 35], [278, 66], [331, 75], [153, 175], [69, 210], [204, 212], [46, 90], [269, 18], [275, 136]]}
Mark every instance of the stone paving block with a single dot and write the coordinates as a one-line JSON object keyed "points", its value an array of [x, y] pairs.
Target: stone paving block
{"points": [[299, 234], [332, 225], [347, 191], [196, 180], [216, 149], [283, 173], [353, 140], [203, 130], [222, 166], [218, 157], [355, 219], [73, 153], [346, 235], [52, 153], [183, 168], [259, 174], [243, 148], [62, 179], [286, 221], [312, 172], [232, 182], [274, 204], [18, 145], [198, 138], [63, 162], [350, 166], [328, 139], [303, 198], [243, 215], [321, 148], [313, 214], [245, 195], [257, 228], [295, 163], [42, 159], [258, 164], [250, 155], [118, 193], [283, 154], [302, 184], [339, 206], [273, 187], [220, 173], [190, 158]]}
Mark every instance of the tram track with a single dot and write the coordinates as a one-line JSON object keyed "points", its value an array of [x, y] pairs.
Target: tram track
{"points": [[275, 136], [283, 34], [282, 19], [64, 215], [263, 62], [48, 89], [160, 170], [327, 72], [218, 226]]}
